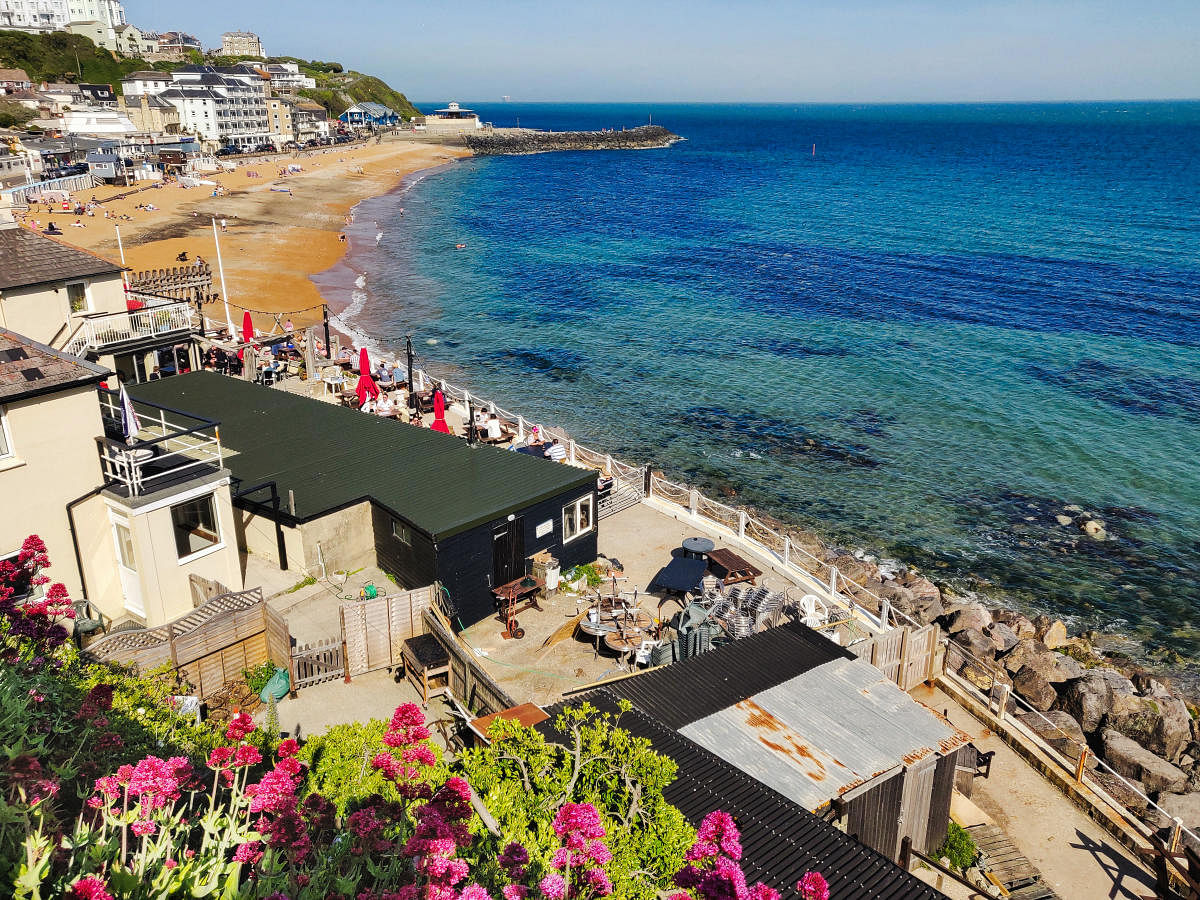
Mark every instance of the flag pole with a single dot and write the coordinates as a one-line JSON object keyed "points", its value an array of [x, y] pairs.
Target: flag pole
{"points": [[224, 291]]}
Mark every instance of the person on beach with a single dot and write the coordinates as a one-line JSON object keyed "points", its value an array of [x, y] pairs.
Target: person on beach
{"points": [[224, 225]]}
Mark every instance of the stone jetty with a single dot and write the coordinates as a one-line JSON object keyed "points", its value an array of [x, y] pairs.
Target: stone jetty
{"points": [[524, 141]]}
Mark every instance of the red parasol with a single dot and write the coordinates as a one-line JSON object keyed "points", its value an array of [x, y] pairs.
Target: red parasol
{"points": [[247, 334], [365, 388], [364, 364], [439, 413]]}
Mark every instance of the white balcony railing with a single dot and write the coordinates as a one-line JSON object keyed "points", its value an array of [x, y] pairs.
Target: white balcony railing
{"points": [[98, 334]]}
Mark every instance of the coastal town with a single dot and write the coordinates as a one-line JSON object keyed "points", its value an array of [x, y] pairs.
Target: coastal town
{"points": [[260, 525]]}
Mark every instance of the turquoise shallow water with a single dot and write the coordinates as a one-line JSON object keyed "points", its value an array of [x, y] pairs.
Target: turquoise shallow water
{"points": [[927, 338]]}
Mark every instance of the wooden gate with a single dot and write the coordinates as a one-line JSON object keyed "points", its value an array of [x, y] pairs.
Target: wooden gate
{"points": [[375, 630], [317, 662], [906, 656]]}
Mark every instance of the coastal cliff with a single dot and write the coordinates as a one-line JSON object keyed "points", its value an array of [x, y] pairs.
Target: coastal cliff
{"points": [[523, 141]]}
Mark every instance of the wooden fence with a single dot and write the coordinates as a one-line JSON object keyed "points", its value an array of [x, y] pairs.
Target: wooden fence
{"points": [[180, 282], [905, 655], [469, 683], [316, 663], [210, 646], [374, 630]]}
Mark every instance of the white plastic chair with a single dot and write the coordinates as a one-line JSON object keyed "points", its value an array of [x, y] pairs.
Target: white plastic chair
{"points": [[813, 611], [642, 655]]}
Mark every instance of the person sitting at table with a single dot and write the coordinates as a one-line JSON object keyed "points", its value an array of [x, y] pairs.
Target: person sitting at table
{"points": [[555, 451], [536, 438], [493, 428], [346, 355], [384, 405]]}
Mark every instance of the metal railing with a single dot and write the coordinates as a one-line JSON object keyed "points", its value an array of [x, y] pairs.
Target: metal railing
{"points": [[169, 446], [98, 333]]}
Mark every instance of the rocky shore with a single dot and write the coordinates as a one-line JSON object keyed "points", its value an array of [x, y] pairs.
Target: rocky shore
{"points": [[524, 141]]}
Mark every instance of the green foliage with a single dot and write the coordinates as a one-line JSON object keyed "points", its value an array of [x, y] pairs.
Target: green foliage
{"points": [[52, 57], [302, 583], [589, 571], [340, 764], [524, 779], [14, 114], [336, 92], [257, 678], [959, 848]]}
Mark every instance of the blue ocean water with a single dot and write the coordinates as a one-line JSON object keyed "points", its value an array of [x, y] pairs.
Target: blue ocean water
{"points": [[927, 334]]}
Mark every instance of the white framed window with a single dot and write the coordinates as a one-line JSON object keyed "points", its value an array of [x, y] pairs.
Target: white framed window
{"points": [[195, 526], [401, 532], [77, 296], [577, 518], [6, 447]]}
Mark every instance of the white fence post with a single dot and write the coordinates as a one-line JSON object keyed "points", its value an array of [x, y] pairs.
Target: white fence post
{"points": [[608, 464], [787, 551], [572, 451], [833, 574], [520, 428], [693, 501], [742, 524]]}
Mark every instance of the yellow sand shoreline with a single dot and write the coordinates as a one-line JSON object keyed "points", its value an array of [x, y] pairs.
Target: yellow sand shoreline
{"points": [[280, 230]]}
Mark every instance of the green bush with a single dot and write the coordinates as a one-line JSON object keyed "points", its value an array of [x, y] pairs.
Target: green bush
{"points": [[257, 678], [340, 764], [959, 848]]}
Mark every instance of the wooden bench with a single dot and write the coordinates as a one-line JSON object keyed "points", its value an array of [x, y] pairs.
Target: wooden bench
{"points": [[424, 658], [731, 568]]}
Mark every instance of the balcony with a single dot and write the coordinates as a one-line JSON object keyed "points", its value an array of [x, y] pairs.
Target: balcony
{"points": [[151, 326], [171, 448]]}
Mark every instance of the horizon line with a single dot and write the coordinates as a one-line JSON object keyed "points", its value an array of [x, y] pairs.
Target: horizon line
{"points": [[504, 102]]}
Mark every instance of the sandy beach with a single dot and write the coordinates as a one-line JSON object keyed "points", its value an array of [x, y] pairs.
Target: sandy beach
{"points": [[275, 239]]}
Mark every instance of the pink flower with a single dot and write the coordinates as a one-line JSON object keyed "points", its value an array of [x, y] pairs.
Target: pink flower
{"points": [[288, 748], [220, 757], [143, 827], [250, 852], [90, 888], [812, 886], [599, 882], [276, 792], [170, 864], [761, 891], [474, 892], [157, 782], [239, 726], [717, 834], [579, 817], [289, 765], [514, 857], [245, 755], [553, 887], [515, 892]]}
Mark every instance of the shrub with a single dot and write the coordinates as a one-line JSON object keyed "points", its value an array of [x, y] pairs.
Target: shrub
{"points": [[257, 678], [959, 848]]}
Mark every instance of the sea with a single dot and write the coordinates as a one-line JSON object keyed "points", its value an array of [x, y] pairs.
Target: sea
{"points": [[940, 334]]}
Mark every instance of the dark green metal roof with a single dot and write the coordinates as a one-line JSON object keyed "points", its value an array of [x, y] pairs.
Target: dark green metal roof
{"points": [[331, 457]]}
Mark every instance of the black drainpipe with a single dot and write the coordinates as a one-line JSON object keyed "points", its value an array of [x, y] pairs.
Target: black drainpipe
{"points": [[75, 537]]}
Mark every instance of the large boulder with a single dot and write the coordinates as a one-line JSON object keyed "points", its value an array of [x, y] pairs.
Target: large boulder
{"points": [[1131, 759], [1003, 637], [976, 642], [1118, 682], [1051, 632], [1060, 731], [1161, 725], [1069, 667], [1021, 624], [1031, 685], [1182, 806], [1129, 792], [968, 615], [1034, 655], [1087, 699], [1025, 650], [857, 570]]}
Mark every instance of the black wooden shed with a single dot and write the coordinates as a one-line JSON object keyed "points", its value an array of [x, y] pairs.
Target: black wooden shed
{"points": [[440, 509]]}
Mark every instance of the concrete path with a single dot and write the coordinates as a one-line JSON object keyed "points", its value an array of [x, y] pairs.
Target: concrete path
{"points": [[1076, 857]]}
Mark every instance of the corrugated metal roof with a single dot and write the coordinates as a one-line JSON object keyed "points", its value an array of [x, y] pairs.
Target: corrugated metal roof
{"points": [[331, 457], [780, 839], [823, 732], [694, 688]]}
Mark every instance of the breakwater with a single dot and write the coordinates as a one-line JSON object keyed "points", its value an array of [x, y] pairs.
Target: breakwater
{"points": [[525, 141]]}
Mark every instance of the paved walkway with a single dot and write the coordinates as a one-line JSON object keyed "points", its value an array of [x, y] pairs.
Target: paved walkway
{"points": [[1076, 857]]}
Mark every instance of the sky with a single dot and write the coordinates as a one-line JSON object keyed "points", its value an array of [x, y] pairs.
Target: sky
{"points": [[821, 51]]}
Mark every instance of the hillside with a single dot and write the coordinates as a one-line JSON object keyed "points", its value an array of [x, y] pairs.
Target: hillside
{"points": [[337, 91]]}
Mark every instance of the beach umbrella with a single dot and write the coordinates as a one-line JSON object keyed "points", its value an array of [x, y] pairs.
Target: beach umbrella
{"points": [[364, 362], [439, 413], [130, 425], [365, 388], [247, 333]]}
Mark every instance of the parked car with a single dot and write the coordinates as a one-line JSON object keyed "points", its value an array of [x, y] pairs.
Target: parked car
{"points": [[227, 151]]}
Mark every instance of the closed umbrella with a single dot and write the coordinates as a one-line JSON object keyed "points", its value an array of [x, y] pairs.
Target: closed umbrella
{"points": [[247, 333], [439, 413], [365, 388], [130, 425], [364, 363]]}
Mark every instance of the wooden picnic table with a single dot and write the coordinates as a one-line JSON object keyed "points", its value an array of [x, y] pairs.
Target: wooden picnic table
{"points": [[731, 568]]}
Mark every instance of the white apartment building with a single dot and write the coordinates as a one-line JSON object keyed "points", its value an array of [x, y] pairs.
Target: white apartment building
{"points": [[241, 43], [287, 77], [226, 107], [145, 82], [110, 12], [41, 16]]}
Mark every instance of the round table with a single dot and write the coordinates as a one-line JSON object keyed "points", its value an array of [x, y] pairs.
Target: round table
{"points": [[697, 547]]}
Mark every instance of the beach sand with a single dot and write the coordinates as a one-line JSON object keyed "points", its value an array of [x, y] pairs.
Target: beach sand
{"points": [[275, 240]]}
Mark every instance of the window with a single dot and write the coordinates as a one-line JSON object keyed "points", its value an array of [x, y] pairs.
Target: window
{"points": [[124, 541], [401, 533], [77, 296], [577, 518], [5, 442], [195, 524]]}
